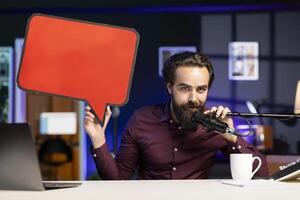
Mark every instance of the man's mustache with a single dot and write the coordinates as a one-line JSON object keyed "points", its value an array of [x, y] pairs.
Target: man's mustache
{"points": [[194, 105]]}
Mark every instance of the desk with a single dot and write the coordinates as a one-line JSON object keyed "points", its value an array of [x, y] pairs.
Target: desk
{"points": [[160, 189]]}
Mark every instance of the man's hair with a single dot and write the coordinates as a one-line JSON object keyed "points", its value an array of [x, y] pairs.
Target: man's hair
{"points": [[189, 59]]}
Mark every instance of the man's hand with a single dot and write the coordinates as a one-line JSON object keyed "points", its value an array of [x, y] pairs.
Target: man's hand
{"points": [[221, 113], [94, 130]]}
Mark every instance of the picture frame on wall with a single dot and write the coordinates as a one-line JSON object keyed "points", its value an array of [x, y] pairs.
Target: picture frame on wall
{"points": [[243, 61], [166, 52]]}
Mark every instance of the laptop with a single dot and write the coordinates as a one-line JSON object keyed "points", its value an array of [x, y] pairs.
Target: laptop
{"points": [[19, 166]]}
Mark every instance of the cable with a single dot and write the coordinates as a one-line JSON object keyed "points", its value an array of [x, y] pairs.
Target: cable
{"points": [[249, 124]]}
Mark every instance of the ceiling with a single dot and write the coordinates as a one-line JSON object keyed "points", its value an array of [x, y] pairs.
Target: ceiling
{"points": [[129, 3]]}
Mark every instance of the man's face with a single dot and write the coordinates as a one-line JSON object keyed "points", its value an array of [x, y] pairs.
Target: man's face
{"points": [[188, 93]]}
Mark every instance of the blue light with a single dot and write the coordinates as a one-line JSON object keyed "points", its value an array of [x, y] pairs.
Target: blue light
{"points": [[157, 9]]}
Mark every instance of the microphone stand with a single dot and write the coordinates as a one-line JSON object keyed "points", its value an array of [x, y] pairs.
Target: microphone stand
{"points": [[268, 115], [210, 122]]}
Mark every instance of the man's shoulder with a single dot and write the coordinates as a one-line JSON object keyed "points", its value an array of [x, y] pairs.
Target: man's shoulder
{"points": [[144, 119], [150, 110]]}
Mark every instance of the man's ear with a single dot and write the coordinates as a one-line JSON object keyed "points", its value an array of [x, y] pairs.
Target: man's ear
{"points": [[169, 87]]}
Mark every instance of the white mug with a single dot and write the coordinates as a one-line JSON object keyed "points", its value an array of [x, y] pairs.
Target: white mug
{"points": [[241, 166]]}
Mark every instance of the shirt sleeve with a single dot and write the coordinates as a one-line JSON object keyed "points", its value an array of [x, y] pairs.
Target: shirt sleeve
{"points": [[126, 160], [241, 146]]}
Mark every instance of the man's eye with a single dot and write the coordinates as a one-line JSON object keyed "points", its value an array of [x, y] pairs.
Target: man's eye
{"points": [[200, 90], [184, 88]]}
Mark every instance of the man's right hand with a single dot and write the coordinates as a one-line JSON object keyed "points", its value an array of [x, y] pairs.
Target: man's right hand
{"points": [[94, 130]]}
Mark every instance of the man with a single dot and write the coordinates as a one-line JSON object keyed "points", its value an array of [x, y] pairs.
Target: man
{"points": [[162, 141]]}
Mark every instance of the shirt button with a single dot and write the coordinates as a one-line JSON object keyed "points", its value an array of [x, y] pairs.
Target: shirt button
{"points": [[239, 147], [179, 127], [175, 149], [94, 155], [233, 148], [171, 121], [174, 168]]}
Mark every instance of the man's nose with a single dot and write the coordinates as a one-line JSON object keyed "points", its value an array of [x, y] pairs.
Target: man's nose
{"points": [[193, 96]]}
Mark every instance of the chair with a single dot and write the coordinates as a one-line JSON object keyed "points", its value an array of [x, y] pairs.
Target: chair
{"points": [[55, 152]]}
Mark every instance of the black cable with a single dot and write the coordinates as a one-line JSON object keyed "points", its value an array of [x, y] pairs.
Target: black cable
{"points": [[249, 124]]}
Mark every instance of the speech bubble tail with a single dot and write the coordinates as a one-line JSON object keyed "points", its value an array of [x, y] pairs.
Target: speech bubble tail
{"points": [[98, 109], [58, 70]]}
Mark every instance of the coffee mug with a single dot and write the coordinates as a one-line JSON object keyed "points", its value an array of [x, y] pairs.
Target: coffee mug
{"points": [[241, 166]]}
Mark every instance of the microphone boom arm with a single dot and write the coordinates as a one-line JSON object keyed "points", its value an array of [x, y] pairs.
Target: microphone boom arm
{"points": [[212, 123], [260, 115]]}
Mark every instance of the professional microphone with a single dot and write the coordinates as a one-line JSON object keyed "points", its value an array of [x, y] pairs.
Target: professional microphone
{"points": [[212, 123]]}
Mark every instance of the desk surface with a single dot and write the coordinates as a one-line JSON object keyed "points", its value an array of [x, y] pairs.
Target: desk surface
{"points": [[175, 189]]}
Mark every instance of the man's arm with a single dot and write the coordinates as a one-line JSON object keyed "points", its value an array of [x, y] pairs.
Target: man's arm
{"points": [[235, 144], [124, 165], [241, 146]]}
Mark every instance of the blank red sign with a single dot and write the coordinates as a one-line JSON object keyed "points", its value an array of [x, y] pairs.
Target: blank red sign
{"points": [[77, 59]]}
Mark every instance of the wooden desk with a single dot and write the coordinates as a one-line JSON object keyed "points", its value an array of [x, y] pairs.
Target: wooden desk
{"points": [[176, 189]]}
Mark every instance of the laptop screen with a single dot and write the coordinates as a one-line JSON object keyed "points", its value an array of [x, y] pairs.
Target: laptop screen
{"points": [[19, 167]]}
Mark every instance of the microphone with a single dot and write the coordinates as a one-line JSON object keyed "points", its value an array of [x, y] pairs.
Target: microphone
{"points": [[212, 123]]}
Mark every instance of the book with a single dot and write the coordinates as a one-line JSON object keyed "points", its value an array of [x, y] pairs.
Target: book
{"points": [[288, 172]]}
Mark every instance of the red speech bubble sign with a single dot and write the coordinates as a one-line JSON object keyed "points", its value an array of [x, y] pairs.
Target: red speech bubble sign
{"points": [[77, 59]]}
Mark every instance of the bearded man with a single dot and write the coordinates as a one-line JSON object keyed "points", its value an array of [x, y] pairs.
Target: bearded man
{"points": [[162, 141]]}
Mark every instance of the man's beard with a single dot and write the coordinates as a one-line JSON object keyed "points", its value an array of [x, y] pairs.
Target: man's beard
{"points": [[184, 113]]}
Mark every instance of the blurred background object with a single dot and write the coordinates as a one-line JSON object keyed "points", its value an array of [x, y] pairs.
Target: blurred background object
{"points": [[297, 99]]}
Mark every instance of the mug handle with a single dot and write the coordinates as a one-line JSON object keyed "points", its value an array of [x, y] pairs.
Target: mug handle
{"points": [[258, 166]]}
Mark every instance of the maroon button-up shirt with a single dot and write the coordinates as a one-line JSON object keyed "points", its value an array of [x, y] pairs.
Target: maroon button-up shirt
{"points": [[160, 149]]}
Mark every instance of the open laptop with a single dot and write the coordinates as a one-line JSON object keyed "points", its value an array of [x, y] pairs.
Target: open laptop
{"points": [[19, 166]]}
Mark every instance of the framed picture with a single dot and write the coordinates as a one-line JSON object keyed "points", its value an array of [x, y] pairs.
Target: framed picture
{"points": [[165, 52], [243, 61]]}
